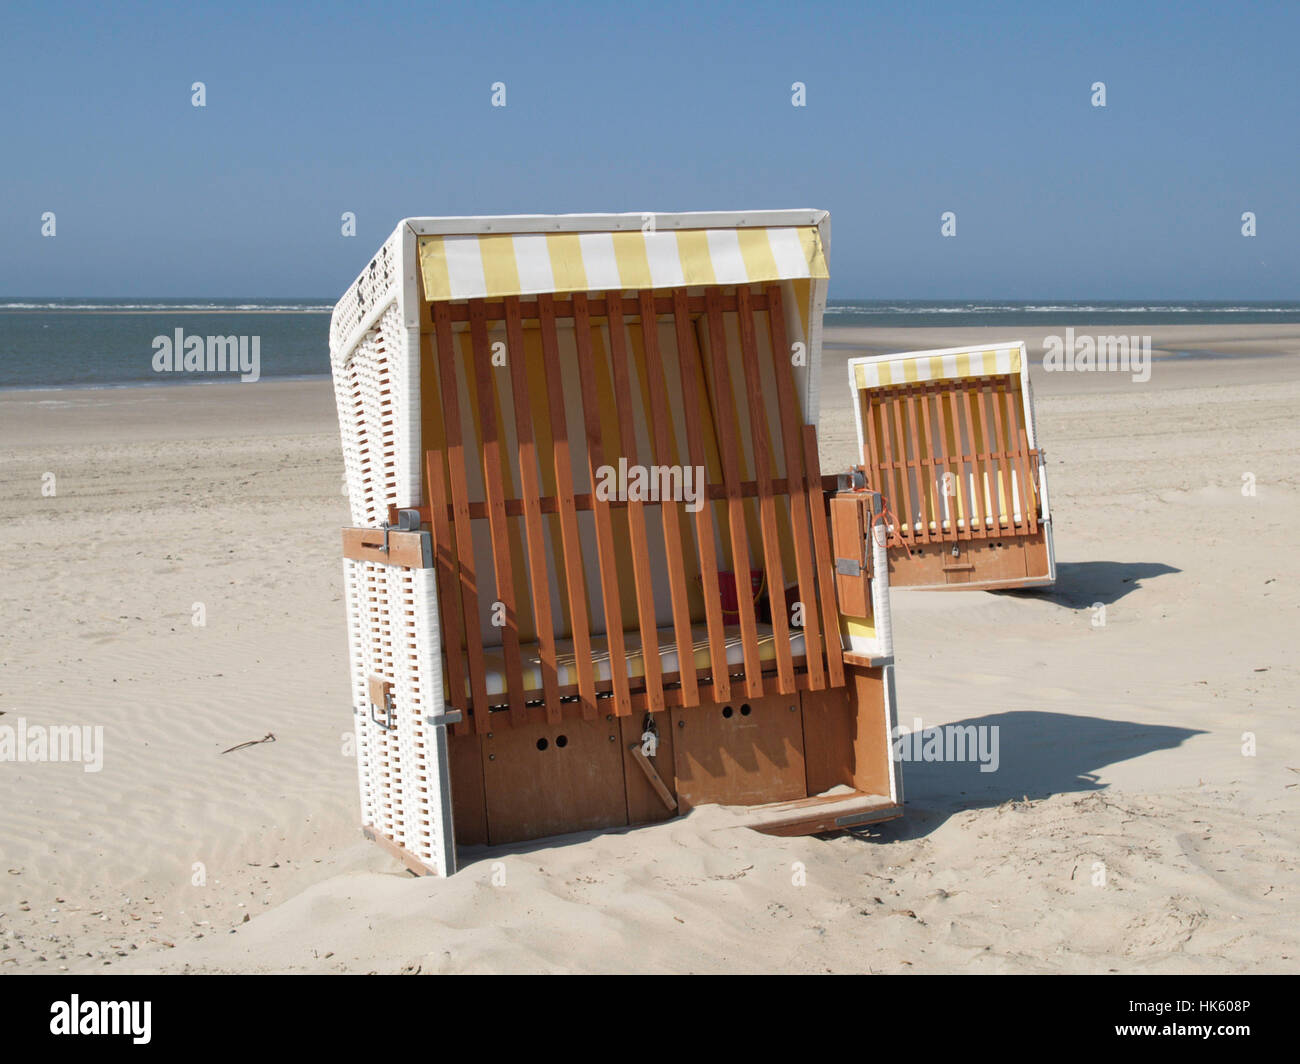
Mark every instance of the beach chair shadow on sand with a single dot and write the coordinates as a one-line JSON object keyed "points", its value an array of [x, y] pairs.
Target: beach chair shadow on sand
{"points": [[1080, 585], [1038, 754]]}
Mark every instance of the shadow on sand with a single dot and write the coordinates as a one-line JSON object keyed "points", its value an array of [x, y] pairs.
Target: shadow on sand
{"points": [[1081, 584], [1038, 755]]}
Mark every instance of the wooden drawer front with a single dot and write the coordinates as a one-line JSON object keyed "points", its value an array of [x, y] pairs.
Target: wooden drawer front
{"points": [[743, 752]]}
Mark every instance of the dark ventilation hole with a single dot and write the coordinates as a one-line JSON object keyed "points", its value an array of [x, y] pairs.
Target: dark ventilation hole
{"points": [[561, 740], [726, 712], [542, 744], [744, 710]]}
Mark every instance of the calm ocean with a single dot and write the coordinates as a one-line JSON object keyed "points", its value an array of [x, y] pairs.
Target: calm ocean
{"points": [[111, 342]]}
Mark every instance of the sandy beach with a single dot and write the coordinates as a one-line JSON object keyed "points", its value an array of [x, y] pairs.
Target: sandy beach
{"points": [[1143, 817]]}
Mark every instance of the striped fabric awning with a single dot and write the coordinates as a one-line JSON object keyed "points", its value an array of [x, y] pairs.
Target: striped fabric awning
{"points": [[503, 264], [907, 369]]}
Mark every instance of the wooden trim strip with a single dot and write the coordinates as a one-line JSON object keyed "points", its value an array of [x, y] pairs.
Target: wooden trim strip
{"points": [[728, 437], [583, 502], [687, 359], [532, 512], [798, 489], [609, 589], [598, 306], [645, 595], [766, 500], [572, 545], [460, 506], [405, 549], [673, 694]]}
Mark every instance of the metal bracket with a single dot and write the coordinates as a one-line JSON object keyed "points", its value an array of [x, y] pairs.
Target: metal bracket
{"points": [[854, 479], [848, 567], [441, 720]]}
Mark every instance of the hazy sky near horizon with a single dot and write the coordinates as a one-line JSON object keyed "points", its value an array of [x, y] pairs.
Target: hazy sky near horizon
{"points": [[912, 110]]}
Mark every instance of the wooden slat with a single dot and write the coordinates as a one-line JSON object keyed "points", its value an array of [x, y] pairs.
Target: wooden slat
{"points": [[494, 490], [1011, 463], [450, 617], [792, 444], [872, 459], [906, 513], [1027, 462], [766, 499], [1001, 459], [933, 483], [963, 481], [728, 437], [460, 507], [825, 581], [660, 788], [610, 594], [572, 546], [975, 520], [641, 574], [530, 487], [687, 359], [918, 467], [888, 487], [943, 425]]}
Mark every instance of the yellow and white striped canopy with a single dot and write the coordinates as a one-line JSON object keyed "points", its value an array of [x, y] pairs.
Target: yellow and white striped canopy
{"points": [[935, 366], [477, 266]]}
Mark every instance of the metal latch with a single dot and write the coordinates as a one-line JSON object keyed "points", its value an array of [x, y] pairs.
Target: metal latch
{"points": [[848, 567], [407, 521], [381, 701]]}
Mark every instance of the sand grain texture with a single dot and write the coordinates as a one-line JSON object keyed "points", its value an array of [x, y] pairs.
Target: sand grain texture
{"points": [[1120, 745]]}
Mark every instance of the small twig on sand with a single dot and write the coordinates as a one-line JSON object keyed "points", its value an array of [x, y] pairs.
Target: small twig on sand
{"points": [[268, 738]]}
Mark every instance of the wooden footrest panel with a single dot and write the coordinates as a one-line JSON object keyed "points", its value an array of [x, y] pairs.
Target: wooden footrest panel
{"points": [[836, 811]]}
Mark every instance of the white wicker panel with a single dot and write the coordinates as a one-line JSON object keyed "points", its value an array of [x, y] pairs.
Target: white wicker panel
{"points": [[372, 655], [354, 595], [378, 421], [402, 774], [880, 592], [426, 776], [392, 612], [375, 285]]}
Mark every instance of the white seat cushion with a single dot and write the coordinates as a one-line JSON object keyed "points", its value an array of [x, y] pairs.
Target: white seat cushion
{"points": [[566, 666]]}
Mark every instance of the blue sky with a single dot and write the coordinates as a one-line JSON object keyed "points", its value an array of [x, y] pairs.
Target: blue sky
{"points": [[912, 110]]}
